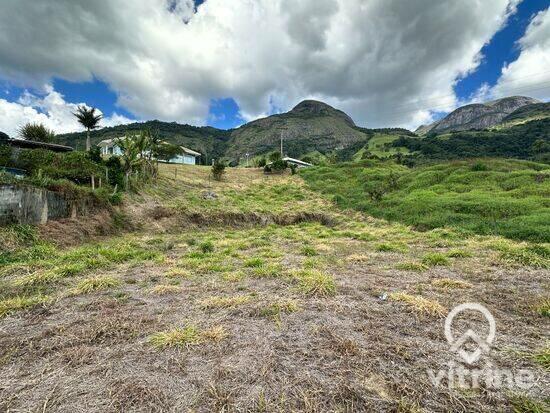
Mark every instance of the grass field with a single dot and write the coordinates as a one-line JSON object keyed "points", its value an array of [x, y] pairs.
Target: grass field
{"points": [[489, 197], [259, 294]]}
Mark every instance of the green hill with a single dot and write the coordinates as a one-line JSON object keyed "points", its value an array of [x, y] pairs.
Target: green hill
{"points": [[211, 142], [490, 197], [310, 126], [512, 142]]}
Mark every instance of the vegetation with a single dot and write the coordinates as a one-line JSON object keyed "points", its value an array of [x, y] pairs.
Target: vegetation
{"points": [[87, 117], [36, 132], [218, 169], [501, 198], [275, 279], [516, 142]]}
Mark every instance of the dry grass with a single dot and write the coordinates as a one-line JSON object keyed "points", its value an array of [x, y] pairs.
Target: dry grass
{"points": [[10, 305], [358, 258], [450, 283], [177, 273], [93, 284], [412, 266], [315, 282], [165, 289], [187, 337], [419, 304], [224, 302], [178, 337]]}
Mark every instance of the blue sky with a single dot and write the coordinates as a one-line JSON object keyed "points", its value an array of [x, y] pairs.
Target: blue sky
{"points": [[252, 72]]}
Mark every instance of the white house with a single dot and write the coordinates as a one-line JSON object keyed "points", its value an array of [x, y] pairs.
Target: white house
{"points": [[109, 147]]}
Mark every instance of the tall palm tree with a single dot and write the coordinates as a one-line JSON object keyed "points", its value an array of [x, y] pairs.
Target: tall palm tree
{"points": [[87, 118]]}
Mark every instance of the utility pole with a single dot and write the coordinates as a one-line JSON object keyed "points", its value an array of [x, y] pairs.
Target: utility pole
{"points": [[282, 154], [247, 155]]}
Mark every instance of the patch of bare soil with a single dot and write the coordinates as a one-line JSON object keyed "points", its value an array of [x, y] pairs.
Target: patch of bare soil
{"points": [[354, 351]]}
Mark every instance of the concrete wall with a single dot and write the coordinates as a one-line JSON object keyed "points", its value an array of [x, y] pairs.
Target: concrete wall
{"points": [[27, 205]]}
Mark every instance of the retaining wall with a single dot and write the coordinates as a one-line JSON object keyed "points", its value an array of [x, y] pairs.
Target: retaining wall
{"points": [[28, 205]]}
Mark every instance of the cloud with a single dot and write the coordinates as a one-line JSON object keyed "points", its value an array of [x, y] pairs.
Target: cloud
{"points": [[380, 60], [528, 74], [50, 109]]}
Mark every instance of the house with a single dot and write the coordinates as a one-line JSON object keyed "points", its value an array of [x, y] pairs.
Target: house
{"points": [[25, 144], [297, 162], [188, 157], [109, 147]]}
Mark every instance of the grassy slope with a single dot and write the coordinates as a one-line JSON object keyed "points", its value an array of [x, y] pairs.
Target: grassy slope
{"points": [[509, 198], [218, 314]]}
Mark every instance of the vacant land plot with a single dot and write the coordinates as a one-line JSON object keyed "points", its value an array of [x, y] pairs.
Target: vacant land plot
{"points": [[256, 294]]}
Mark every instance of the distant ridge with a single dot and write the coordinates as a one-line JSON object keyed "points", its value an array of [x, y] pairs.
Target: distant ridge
{"points": [[478, 115]]}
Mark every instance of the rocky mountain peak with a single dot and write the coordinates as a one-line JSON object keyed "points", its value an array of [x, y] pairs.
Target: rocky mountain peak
{"points": [[314, 107]]}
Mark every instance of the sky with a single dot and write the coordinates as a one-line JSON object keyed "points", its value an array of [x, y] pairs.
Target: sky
{"points": [[223, 63]]}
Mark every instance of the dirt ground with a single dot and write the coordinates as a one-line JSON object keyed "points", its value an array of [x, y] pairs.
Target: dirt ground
{"points": [[296, 315]]}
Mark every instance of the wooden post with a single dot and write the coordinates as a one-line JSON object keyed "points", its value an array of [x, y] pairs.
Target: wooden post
{"points": [[93, 183]]}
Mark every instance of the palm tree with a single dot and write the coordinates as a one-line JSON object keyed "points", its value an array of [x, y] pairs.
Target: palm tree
{"points": [[87, 118]]}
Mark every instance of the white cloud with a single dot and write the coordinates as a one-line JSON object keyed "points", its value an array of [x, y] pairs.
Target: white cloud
{"points": [[529, 73], [379, 60], [51, 109]]}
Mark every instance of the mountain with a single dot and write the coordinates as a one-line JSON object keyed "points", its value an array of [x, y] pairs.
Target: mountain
{"points": [[310, 126], [478, 116], [535, 111]]}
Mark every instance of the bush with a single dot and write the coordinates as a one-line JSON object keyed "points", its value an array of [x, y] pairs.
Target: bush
{"points": [[218, 169], [5, 155]]}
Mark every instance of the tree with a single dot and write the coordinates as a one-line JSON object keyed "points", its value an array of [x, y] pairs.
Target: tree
{"points": [[167, 151], [36, 132], [87, 118], [218, 169], [540, 146]]}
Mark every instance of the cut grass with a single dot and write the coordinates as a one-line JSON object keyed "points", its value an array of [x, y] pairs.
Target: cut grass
{"points": [[254, 262], [165, 289], [93, 284], [308, 251], [434, 259], [412, 266], [543, 308], [177, 273], [450, 284], [315, 282], [10, 305], [524, 404], [224, 302], [535, 256], [391, 247], [269, 271], [178, 337], [186, 337], [542, 357], [419, 304], [274, 310]]}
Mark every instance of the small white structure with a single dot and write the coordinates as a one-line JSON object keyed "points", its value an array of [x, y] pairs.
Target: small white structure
{"points": [[109, 147], [188, 157], [297, 162]]}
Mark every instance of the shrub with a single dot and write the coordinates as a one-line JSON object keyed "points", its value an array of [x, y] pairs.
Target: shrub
{"points": [[218, 169], [5, 155], [207, 247]]}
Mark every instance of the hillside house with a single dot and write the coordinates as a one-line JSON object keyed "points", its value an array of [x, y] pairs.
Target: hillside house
{"points": [[109, 147]]}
